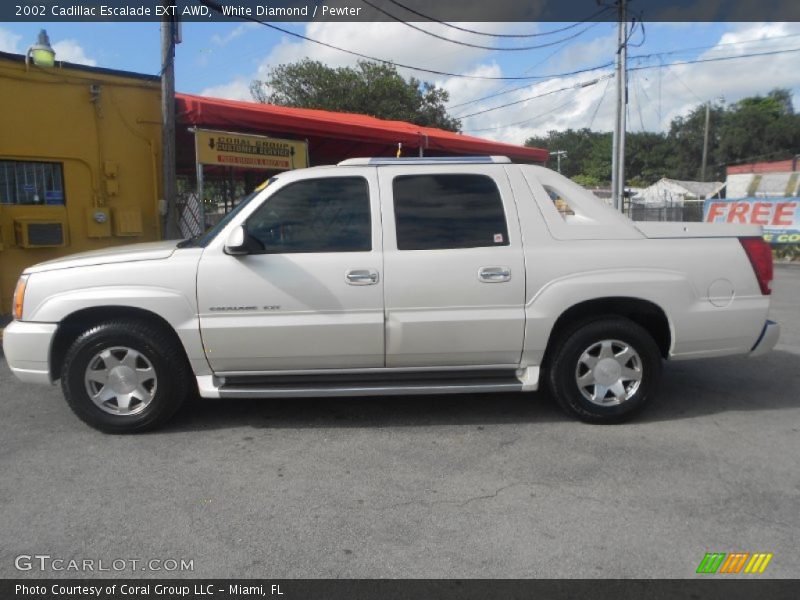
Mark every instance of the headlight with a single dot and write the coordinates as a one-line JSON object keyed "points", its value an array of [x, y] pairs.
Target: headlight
{"points": [[19, 296]]}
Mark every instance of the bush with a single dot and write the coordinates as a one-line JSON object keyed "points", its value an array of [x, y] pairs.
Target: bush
{"points": [[786, 252]]}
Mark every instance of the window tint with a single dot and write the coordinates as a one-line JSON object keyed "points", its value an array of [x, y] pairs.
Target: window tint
{"points": [[28, 182], [316, 215], [448, 211]]}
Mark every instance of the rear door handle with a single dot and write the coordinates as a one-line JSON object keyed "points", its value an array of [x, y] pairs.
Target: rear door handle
{"points": [[494, 274], [361, 277]]}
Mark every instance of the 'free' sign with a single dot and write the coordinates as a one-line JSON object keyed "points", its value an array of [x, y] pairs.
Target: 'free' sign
{"points": [[771, 213]]}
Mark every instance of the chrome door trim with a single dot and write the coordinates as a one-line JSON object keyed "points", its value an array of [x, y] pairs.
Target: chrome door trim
{"points": [[377, 370]]}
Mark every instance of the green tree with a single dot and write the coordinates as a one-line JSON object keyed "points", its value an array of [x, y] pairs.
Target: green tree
{"points": [[369, 88], [588, 152], [685, 141], [586, 181], [760, 128], [648, 158]]}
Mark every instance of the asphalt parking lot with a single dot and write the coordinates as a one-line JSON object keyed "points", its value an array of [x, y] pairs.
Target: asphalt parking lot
{"points": [[473, 486]]}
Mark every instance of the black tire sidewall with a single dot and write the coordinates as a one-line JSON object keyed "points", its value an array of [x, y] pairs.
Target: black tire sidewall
{"points": [[154, 346], [562, 370]]}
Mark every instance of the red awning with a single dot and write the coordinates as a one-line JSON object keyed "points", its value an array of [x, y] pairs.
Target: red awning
{"points": [[340, 135]]}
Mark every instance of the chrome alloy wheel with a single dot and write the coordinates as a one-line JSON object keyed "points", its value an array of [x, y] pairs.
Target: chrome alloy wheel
{"points": [[121, 380], [608, 373]]}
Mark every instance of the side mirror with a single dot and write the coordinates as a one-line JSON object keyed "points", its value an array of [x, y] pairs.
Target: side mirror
{"points": [[236, 244]]}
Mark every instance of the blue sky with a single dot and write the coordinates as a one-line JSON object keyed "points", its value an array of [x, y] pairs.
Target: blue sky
{"points": [[221, 59]]}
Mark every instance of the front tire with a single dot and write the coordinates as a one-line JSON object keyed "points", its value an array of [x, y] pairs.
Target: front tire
{"points": [[125, 376], [605, 370]]}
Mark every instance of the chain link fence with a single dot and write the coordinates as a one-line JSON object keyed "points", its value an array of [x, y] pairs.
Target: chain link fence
{"points": [[686, 212]]}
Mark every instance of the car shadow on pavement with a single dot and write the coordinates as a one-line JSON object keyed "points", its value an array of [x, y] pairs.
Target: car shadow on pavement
{"points": [[366, 412], [689, 389], [704, 387]]}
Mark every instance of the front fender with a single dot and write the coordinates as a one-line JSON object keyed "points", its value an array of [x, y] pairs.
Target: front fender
{"points": [[171, 305]]}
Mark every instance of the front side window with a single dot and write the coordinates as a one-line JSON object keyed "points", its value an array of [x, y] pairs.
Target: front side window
{"points": [[434, 212], [31, 183], [329, 214]]}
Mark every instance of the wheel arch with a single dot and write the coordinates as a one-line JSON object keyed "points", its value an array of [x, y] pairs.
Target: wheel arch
{"points": [[77, 322], [644, 313]]}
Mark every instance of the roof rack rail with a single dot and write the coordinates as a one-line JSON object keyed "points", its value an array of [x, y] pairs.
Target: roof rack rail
{"points": [[433, 160]]}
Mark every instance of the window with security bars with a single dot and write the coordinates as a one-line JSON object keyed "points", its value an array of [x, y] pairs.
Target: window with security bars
{"points": [[26, 182]]}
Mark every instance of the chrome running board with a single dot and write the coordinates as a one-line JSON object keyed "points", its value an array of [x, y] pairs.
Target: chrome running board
{"points": [[369, 389], [327, 386]]}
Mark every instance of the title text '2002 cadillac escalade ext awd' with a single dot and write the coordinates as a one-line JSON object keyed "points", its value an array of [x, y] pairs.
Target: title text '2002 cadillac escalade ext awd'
{"points": [[394, 276]]}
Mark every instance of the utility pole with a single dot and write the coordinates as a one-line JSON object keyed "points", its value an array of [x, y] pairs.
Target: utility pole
{"points": [[168, 40], [705, 143], [558, 154], [618, 150]]}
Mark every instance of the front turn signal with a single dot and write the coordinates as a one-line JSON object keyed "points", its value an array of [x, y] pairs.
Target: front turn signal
{"points": [[19, 296]]}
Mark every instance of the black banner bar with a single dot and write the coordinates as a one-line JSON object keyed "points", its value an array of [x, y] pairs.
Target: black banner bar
{"points": [[732, 588], [422, 11]]}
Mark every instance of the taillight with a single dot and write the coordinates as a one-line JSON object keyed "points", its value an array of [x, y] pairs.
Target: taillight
{"points": [[760, 255], [19, 296]]}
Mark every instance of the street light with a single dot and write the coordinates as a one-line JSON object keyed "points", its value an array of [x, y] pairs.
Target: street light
{"points": [[42, 52], [559, 154]]}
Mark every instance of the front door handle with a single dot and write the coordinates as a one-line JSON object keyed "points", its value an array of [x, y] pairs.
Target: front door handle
{"points": [[494, 274], [361, 277]]}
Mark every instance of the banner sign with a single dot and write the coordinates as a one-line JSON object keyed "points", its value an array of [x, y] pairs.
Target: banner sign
{"points": [[247, 151], [780, 217]]}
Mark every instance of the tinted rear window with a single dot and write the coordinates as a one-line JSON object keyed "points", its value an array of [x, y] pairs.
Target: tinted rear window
{"points": [[434, 212]]}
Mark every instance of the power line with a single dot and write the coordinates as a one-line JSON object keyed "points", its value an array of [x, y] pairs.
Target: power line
{"points": [[634, 23], [505, 90], [661, 66], [739, 43], [216, 7], [489, 97], [644, 91], [635, 57], [638, 94], [594, 81], [714, 59], [683, 83], [502, 35], [470, 45], [597, 108], [579, 85], [525, 121]]}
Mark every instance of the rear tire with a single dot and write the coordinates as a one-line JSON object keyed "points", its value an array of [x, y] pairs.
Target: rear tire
{"points": [[605, 370], [125, 376]]}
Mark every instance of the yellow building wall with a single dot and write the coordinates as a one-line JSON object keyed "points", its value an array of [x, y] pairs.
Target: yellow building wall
{"points": [[105, 129]]}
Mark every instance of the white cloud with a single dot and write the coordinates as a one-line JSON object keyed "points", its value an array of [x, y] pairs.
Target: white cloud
{"points": [[72, 51], [9, 41], [683, 87], [389, 41], [596, 51], [236, 32], [237, 89], [462, 89], [655, 95]]}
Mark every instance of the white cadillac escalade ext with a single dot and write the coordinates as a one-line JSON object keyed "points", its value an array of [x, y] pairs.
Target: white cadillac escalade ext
{"points": [[394, 276]]}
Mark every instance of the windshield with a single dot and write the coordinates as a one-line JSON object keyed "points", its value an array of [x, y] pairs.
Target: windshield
{"points": [[205, 239]]}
